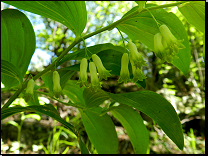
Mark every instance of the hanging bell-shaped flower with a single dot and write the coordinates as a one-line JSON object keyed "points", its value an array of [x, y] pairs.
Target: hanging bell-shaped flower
{"points": [[158, 46], [83, 73], [29, 90], [56, 84], [103, 73], [124, 73], [169, 42], [137, 72], [136, 56], [95, 83]]}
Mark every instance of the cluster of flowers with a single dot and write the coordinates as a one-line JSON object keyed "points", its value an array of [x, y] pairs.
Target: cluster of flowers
{"points": [[137, 62], [166, 46], [95, 81], [135, 58]]}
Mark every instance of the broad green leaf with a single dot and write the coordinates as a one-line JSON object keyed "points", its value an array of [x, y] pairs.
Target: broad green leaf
{"points": [[194, 12], [157, 108], [72, 14], [48, 110], [74, 92], [94, 99], [101, 131], [17, 43], [48, 81], [143, 27], [13, 123], [108, 53], [10, 70], [83, 148], [133, 124], [65, 75], [78, 55]]}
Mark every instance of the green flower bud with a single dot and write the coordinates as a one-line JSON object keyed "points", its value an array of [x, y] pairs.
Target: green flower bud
{"points": [[137, 72], [158, 46], [170, 43], [136, 56], [167, 35], [124, 73], [160, 50], [103, 73], [83, 73], [29, 90], [95, 83], [56, 84]]}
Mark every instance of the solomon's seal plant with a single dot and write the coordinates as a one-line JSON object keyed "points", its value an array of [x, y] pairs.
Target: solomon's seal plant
{"points": [[29, 90], [103, 73], [124, 73], [166, 45], [95, 83], [57, 91], [96, 120], [83, 73], [136, 56]]}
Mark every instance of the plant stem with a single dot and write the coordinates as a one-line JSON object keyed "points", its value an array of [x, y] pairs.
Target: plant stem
{"points": [[79, 39]]}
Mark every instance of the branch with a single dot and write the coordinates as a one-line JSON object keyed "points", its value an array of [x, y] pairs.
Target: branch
{"points": [[79, 39]]}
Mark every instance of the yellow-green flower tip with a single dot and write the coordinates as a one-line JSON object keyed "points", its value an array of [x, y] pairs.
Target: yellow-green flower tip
{"points": [[137, 72], [166, 45]]}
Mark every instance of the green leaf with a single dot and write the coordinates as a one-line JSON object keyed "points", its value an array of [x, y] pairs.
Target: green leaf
{"points": [[10, 70], [78, 55], [157, 108], [101, 131], [74, 92], [72, 14], [17, 43], [108, 53], [83, 148], [94, 99], [48, 81], [143, 27], [48, 110], [65, 75], [194, 12], [133, 124]]}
